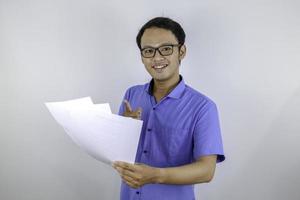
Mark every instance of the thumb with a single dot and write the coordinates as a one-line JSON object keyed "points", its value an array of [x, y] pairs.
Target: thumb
{"points": [[139, 110]]}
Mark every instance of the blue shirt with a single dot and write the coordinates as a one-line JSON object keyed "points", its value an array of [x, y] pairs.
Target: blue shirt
{"points": [[180, 128]]}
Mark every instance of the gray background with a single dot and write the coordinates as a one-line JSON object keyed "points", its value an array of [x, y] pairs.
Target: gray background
{"points": [[242, 54]]}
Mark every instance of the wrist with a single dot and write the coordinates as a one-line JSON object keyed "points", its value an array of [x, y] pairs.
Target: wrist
{"points": [[158, 175]]}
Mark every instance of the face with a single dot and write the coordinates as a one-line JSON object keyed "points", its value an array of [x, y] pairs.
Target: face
{"points": [[162, 68]]}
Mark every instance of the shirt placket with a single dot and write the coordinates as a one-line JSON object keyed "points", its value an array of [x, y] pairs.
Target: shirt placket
{"points": [[148, 130], [146, 150]]}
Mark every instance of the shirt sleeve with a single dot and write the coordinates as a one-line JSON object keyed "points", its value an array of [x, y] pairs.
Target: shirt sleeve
{"points": [[207, 134], [122, 105]]}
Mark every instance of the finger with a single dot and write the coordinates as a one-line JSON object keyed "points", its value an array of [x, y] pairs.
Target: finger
{"points": [[119, 170], [132, 183], [131, 174], [139, 112], [128, 179], [124, 165], [132, 115], [127, 106], [129, 167], [117, 166]]}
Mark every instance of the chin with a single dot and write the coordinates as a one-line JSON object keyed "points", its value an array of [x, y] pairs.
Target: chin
{"points": [[160, 78]]}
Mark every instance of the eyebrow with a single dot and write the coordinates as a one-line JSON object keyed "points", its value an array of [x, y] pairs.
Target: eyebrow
{"points": [[148, 46]]}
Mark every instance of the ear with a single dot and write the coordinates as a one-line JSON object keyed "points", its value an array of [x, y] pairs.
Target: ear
{"points": [[182, 52]]}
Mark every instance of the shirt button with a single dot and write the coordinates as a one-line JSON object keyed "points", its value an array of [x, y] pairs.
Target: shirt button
{"points": [[153, 108], [145, 151], [149, 129], [137, 192]]}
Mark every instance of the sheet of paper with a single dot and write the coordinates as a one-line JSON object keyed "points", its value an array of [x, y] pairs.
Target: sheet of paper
{"points": [[103, 135], [104, 107], [61, 112]]}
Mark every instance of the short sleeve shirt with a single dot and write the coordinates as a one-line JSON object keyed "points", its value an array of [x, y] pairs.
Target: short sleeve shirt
{"points": [[177, 130]]}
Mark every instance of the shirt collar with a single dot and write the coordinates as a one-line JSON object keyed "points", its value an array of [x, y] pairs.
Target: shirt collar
{"points": [[175, 93]]}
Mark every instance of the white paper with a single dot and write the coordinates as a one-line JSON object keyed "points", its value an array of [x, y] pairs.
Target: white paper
{"points": [[103, 135]]}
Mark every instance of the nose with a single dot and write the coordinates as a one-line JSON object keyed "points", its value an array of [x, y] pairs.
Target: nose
{"points": [[157, 55]]}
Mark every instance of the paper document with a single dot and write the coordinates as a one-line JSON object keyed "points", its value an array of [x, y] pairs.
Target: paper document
{"points": [[105, 136]]}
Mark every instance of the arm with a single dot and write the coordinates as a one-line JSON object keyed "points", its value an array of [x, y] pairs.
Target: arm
{"points": [[136, 175], [201, 171]]}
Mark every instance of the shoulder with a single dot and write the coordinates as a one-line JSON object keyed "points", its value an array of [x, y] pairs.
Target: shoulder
{"points": [[203, 106], [136, 89], [198, 98]]}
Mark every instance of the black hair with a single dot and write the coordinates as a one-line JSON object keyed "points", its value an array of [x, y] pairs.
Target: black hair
{"points": [[164, 23]]}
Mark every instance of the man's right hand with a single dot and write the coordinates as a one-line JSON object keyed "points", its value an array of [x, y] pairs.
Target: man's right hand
{"points": [[130, 113]]}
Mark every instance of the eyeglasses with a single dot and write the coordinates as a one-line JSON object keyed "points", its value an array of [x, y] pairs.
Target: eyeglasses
{"points": [[164, 50]]}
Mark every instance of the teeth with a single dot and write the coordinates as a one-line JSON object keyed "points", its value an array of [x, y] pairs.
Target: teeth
{"points": [[159, 66]]}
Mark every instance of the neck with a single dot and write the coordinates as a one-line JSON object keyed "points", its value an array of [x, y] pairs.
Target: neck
{"points": [[162, 88]]}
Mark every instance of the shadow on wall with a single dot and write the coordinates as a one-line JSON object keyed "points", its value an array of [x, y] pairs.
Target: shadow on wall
{"points": [[86, 184], [277, 158], [272, 172]]}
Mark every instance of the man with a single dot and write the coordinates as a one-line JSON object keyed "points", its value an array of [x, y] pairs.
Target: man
{"points": [[180, 141]]}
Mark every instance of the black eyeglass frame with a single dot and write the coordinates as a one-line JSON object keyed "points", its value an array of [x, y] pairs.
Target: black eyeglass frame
{"points": [[157, 49]]}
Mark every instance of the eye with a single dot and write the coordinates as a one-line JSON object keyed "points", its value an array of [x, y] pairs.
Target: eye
{"points": [[148, 51], [166, 48]]}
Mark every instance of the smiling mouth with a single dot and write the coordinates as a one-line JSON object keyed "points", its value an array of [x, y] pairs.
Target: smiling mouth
{"points": [[159, 66]]}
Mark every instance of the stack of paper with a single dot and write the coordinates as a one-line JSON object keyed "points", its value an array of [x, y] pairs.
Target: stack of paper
{"points": [[105, 136]]}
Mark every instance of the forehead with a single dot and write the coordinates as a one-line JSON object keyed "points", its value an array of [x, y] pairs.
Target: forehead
{"points": [[157, 36]]}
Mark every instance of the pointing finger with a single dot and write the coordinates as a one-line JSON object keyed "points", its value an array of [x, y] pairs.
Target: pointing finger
{"points": [[127, 106]]}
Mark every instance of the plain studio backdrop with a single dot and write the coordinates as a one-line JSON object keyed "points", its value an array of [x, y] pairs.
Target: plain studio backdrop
{"points": [[242, 54]]}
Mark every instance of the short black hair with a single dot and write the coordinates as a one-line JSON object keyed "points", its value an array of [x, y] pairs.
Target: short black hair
{"points": [[164, 23]]}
